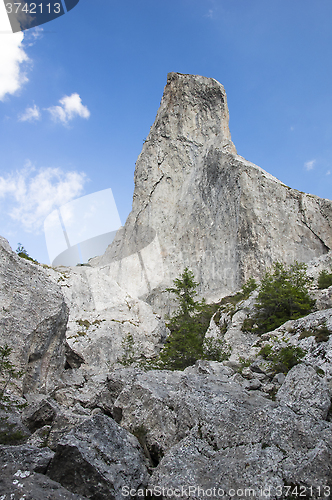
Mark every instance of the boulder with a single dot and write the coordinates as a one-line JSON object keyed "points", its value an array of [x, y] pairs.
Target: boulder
{"points": [[305, 392], [206, 430], [99, 458], [50, 421], [22, 475]]}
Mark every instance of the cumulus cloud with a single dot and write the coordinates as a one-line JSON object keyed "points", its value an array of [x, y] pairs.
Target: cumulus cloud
{"points": [[12, 63], [70, 107], [30, 114], [309, 165], [31, 194]]}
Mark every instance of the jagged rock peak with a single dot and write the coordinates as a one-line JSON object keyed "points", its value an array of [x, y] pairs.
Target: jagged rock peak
{"points": [[193, 109], [198, 204]]}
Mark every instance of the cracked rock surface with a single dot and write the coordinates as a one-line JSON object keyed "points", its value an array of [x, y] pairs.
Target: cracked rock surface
{"points": [[210, 209]]}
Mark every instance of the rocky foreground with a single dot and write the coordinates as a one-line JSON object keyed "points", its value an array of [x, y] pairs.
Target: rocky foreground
{"points": [[93, 432], [87, 419]]}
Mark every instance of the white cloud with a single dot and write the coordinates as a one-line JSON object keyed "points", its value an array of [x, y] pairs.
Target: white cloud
{"points": [[30, 114], [209, 14], [31, 194], [12, 59], [328, 172], [309, 165], [71, 106]]}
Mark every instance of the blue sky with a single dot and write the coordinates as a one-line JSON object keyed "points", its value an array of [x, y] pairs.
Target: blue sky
{"points": [[79, 94]]}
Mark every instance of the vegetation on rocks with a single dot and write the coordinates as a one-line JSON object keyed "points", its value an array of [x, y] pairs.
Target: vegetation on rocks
{"points": [[8, 372], [324, 280], [128, 346], [283, 295], [282, 359], [321, 333], [21, 252], [185, 344], [228, 304], [9, 434]]}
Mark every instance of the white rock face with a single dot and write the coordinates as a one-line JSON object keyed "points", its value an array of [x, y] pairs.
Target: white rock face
{"points": [[104, 318], [201, 205]]}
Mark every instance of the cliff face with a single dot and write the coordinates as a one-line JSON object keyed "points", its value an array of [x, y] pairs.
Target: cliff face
{"points": [[208, 208], [98, 426]]}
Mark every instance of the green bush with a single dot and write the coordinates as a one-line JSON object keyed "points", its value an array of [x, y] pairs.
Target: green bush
{"points": [[283, 359], [283, 295], [215, 349], [321, 334], [7, 374], [324, 280], [21, 252], [243, 294], [248, 287]]}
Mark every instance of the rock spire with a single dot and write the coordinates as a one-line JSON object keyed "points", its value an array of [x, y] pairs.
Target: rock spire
{"points": [[198, 204]]}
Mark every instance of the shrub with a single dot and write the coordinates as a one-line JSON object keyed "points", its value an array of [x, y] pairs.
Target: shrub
{"points": [[243, 294], [7, 374], [321, 334], [215, 349], [283, 295], [21, 252], [128, 344], [324, 280], [248, 287], [283, 359]]}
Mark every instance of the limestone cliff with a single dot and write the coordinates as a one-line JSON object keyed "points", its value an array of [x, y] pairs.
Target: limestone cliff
{"points": [[198, 204]]}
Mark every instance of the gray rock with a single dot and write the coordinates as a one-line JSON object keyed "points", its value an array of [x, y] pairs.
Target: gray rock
{"points": [[198, 204], [98, 459], [305, 392], [33, 307], [39, 438], [64, 421], [269, 388], [323, 299], [12, 429], [279, 378], [91, 390], [50, 421], [206, 431], [22, 475], [253, 385], [205, 367], [27, 457], [265, 468], [107, 327], [167, 405], [40, 412], [247, 373]]}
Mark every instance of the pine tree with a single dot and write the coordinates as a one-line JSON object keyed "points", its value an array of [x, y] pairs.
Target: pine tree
{"points": [[185, 342]]}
